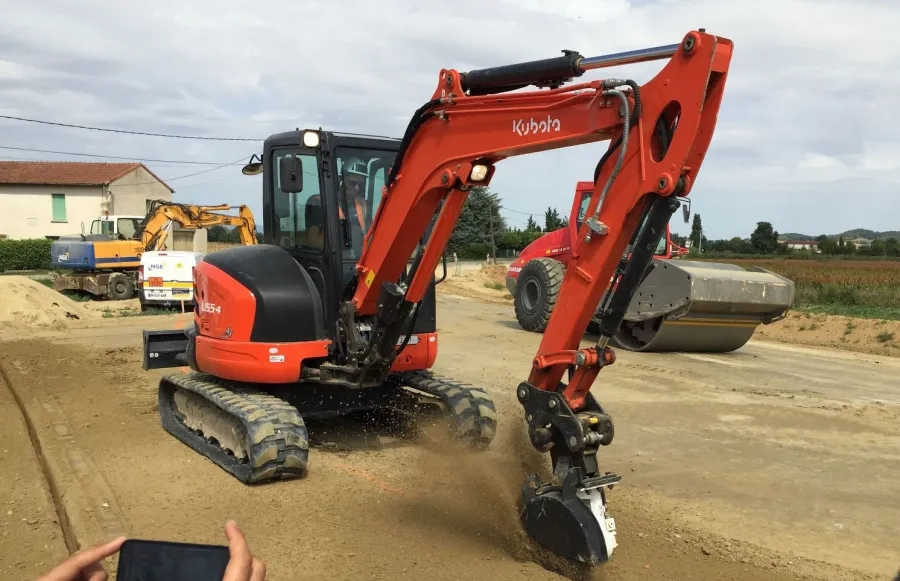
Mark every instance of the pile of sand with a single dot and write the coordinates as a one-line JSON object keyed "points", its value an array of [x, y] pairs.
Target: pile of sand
{"points": [[488, 283], [875, 336], [25, 304]]}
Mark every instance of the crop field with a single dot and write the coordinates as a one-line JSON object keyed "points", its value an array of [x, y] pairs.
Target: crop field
{"points": [[851, 287]]}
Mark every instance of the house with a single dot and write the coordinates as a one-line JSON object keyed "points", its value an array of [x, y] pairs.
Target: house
{"points": [[802, 245], [48, 199]]}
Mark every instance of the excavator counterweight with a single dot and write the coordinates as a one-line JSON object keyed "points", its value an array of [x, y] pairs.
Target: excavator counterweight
{"points": [[336, 312]]}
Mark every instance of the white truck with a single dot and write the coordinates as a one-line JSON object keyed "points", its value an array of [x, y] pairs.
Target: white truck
{"points": [[166, 279]]}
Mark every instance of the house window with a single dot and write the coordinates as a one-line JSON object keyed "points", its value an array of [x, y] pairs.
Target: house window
{"points": [[59, 207]]}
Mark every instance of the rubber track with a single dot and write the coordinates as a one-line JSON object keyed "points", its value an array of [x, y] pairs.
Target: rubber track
{"points": [[471, 409], [277, 439]]}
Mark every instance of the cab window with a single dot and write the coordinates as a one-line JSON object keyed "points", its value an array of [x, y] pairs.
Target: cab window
{"points": [[101, 227], [661, 247], [582, 209], [358, 181], [126, 227], [299, 220]]}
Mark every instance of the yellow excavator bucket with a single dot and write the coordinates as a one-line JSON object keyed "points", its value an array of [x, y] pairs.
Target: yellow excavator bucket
{"points": [[695, 306]]}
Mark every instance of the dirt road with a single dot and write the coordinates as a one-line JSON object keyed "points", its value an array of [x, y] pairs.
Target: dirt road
{"points": [[775, 462]]}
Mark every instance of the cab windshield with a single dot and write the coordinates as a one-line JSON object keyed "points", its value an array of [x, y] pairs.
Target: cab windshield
{"points": [[582, 210], [101, 227], [360, 175]]}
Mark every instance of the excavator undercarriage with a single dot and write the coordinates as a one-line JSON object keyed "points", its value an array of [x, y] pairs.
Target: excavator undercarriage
{"points": [[335, 313], [257, 433]]}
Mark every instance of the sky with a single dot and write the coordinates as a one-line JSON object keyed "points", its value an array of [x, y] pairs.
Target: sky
{"points": [[807, 136]]}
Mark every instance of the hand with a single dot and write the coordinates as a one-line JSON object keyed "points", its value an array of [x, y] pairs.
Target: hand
{"points": [[85, 565], [242, 566]]}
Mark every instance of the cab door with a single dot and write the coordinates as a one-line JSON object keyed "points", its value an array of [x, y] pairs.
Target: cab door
{"points": [[301, 225]]}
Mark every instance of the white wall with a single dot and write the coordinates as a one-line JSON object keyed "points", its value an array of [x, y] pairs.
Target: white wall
{"points": [[130, 194], [27, 211]]}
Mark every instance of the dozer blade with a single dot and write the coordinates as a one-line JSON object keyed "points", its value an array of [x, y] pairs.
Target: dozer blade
{"points": [[707, 307], [165, 349], [570, 520]]}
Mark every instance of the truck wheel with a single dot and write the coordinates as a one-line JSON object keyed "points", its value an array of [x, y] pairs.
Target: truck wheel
{"points": [[119, 287], [536, 292]]}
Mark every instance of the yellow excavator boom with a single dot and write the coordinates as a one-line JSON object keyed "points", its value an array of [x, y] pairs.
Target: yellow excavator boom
{"points": [[154, 233]]}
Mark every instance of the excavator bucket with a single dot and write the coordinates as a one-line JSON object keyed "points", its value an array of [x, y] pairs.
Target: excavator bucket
{"points": [[710, 307]]}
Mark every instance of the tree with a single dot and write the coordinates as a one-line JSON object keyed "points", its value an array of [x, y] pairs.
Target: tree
{"points": [[532, 226], [892, 247], [217, 233], [552, 220], [696, 232], [877, 248], [764, 239], [482, 207]]}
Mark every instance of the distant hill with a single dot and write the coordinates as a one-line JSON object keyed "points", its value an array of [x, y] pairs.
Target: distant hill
{"points": [[848, 235]]}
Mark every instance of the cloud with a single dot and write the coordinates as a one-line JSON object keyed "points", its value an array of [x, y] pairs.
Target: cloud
{"points": [[806, 137]]}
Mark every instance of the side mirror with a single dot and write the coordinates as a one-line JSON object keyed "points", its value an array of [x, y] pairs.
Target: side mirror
{"points": [[290, 173], [686, 208]]}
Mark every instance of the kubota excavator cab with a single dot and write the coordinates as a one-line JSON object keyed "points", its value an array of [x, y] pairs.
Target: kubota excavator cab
{"points": [[319, 200], [681, 305]]}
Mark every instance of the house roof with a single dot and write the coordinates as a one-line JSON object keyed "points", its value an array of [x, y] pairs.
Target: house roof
{"points": [[67, 173]]}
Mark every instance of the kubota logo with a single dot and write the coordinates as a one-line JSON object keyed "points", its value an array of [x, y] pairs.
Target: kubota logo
{"points": [[523, 127]]}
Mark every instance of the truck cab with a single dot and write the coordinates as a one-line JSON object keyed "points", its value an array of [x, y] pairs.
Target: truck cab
{"points": [[116, 226]]}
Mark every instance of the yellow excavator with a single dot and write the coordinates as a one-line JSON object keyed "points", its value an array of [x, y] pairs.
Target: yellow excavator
{"points": [[108, 267]]}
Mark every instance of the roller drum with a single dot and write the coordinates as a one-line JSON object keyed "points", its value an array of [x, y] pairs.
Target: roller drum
{"points": [[697, 306]]}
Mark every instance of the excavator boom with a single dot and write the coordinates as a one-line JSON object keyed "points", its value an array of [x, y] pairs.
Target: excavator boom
{"points": [[659, 135], [153, 230]]}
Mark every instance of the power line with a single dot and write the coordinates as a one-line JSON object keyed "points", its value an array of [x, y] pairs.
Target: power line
{"points": [[112, 156], [190, 175], [125, 131], [515, 211], [237, 161]]}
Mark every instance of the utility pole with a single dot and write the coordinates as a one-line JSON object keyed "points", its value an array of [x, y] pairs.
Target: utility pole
{"points": [[491, 217]]}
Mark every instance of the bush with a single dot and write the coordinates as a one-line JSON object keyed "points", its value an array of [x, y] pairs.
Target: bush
{"points": [[472, 252], [28, 254]]}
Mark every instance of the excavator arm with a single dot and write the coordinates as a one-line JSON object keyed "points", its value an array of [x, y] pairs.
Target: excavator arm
{"points": [[153, 231], [659, 133]]}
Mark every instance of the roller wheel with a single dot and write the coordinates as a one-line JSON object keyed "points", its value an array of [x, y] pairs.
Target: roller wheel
{"points": [[536, 292]]}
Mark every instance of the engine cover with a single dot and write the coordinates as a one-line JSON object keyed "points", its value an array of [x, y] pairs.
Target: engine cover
{"points": [[283, 304]]}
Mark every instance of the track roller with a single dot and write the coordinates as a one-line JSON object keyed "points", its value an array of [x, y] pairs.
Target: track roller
{"points": [[253, 436]]}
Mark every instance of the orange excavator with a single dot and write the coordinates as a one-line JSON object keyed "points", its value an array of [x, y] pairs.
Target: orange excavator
{"points": [[335, 313]]}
